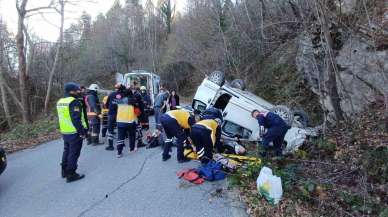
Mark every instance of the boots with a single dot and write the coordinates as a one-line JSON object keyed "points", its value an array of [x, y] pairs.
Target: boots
{"points": [[72, 176], [63, 171], [95, 141], [110, 145], [89, 139]]}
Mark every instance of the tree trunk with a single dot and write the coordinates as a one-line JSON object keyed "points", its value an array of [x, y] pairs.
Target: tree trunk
{"points": [[331, 82], [57, 54], [2, 81], [23, 84]]}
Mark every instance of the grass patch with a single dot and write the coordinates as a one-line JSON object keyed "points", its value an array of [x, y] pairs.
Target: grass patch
{"points": [[27, 131]]}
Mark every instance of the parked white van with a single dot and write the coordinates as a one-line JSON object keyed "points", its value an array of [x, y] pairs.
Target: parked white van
{"points": [[237, 104], [144, 78]]}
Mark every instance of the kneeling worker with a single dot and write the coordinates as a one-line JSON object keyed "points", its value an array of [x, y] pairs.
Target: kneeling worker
{"points": [[73, 128], [276, 128], [176, 123], [206, 135]]}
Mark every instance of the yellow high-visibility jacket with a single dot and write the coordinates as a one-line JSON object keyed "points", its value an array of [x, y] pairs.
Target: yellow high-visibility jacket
{"points": [[182, 117]]}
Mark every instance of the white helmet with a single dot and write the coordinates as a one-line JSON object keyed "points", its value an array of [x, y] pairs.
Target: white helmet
{"points": [[93, 87]]}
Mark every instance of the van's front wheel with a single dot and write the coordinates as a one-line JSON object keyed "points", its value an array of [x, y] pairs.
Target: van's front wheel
{"points": [[217, 77]]}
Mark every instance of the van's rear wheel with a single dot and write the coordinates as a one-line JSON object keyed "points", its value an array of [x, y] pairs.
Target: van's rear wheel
{"points": [[301, 117], [217, 77], [239, 84], [284, 112]]}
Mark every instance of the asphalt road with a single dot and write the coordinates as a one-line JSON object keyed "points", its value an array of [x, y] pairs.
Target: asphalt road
{"points": [[139, 184]]}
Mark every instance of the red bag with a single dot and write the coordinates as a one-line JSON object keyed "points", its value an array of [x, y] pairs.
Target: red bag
{"points": [[191, 175]]}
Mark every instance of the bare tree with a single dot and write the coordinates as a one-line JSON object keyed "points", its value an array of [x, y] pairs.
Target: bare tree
{"points": [[61, 11]]}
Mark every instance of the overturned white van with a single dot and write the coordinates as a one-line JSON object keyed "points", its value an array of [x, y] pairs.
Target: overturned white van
{"points": [[237, 104]]}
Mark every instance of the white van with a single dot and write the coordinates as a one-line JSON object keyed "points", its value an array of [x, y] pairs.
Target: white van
{"points": [[148, 79], [237, 104]]}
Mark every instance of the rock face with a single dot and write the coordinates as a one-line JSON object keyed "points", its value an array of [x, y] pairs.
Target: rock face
{"points": [[362, 73]]}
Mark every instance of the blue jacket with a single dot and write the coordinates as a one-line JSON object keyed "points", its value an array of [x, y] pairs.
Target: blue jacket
{"points": [[113, 100], [272, 120]]}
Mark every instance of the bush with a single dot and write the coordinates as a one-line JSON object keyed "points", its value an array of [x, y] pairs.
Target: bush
{"points": [[375, 164]]}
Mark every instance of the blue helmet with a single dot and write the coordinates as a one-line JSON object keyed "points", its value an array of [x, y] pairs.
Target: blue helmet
{"points": [[71, 86]]}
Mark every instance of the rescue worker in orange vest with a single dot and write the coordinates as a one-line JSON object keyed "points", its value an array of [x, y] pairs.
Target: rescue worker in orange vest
{"points": [[126, 120], [176, 123], [206, 135], [93, 111], [104, 116]]}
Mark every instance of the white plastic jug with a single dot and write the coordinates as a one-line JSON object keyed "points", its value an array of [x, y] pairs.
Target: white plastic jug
{"points": [[269, 186]]}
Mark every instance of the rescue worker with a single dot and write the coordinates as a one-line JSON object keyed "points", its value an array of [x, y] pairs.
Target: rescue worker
{"points": [[176, 123], [206, 135], [275, 127], [144, 117], [113, 98], [104, 116], [73, 127], [139, 111], [126, 120], [93, 112]]}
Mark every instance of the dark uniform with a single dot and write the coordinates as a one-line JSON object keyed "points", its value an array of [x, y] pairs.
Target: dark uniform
{"points": [[276, 130], [113, 98], [144, 117], [176, 124], [206, 135], [93, 112], [73, 128]]}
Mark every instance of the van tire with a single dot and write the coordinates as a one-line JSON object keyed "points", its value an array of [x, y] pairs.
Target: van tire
{"points": [[217, 77], [238, 84], [284, 112], [302, 117]]}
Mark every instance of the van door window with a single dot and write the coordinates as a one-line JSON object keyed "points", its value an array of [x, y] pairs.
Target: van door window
{"points": [[198, 105], [156, 86]]}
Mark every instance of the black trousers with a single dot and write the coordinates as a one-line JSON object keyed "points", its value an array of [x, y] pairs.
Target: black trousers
{"points": [[201, 137], [172, 129], [71, 151]]}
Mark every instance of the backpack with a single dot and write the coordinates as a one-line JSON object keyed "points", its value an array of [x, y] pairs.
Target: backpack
{"points": [[212, 171]]}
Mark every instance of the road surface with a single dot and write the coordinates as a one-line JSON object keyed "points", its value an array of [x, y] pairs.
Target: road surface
{"points": [[137, 185]]}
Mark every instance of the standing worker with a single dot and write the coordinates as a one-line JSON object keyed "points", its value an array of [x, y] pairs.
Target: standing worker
{"points": [[73, 128], [206, 135], [113, 99], [126, 120], [104, 117], [275, 127], [93, 112], [144, 120], [176, 124]]}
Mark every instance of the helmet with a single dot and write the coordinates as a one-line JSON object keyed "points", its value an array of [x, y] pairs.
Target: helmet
{"points": [[143, 88], [71, 86], [93, 87]]}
